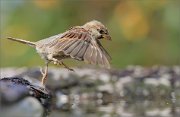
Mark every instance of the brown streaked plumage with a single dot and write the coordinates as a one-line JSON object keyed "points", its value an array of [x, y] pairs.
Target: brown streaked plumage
{"points": [[80, 42]]}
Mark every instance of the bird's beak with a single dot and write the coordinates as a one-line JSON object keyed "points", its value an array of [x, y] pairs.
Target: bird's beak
{"points": [[107, 37]]}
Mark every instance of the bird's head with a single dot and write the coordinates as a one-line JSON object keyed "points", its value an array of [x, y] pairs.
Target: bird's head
{"points": [[97, 29]]}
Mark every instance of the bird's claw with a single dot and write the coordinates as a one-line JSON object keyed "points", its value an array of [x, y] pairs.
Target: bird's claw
{"points": [[70, 69], [65, 66]]}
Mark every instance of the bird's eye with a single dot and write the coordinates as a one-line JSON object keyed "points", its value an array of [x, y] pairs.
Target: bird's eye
{"points": [[101, 31]]}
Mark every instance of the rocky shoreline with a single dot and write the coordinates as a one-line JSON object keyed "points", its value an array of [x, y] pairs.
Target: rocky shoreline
{"points": [[66, 90]]}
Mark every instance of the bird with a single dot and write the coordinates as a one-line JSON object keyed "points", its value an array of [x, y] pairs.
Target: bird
{"points": [[81, 43]]}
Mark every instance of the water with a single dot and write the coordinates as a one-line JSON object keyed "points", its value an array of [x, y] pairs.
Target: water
{"points": [[118, 108]]}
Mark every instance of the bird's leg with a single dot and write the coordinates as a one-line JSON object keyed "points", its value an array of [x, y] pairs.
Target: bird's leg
{"points": [[44, 74], [65, 66], [57, 62]]}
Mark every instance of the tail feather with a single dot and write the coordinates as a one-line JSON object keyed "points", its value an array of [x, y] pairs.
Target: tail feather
{"points": [[23, 41]]}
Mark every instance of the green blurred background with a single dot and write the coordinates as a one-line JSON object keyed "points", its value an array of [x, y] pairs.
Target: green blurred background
{"points": [[144, 32]]}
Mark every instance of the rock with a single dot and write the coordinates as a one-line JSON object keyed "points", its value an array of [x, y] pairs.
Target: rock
{"points": [[13, 89], [20, 92], [27, 107]]}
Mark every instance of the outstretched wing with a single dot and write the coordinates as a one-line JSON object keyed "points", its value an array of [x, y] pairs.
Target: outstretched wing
{"points": [[79, 44]]}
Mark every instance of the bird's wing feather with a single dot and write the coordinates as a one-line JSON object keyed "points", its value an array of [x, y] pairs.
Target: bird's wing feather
{"points": [[97, 55], [79, 44]]}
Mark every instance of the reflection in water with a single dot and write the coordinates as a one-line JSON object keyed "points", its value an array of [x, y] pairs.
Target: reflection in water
{"points": [[81, 107]]}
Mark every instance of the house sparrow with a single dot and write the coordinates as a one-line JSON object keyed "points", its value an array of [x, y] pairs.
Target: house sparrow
{"points": [[79, 42]]}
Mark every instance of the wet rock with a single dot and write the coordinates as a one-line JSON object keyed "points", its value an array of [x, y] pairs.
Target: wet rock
{"points": [[16, 93], [27, 107], [13, 89]]}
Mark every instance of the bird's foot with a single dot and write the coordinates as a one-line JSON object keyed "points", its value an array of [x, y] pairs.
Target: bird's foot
{"points": [[68, 68]]}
